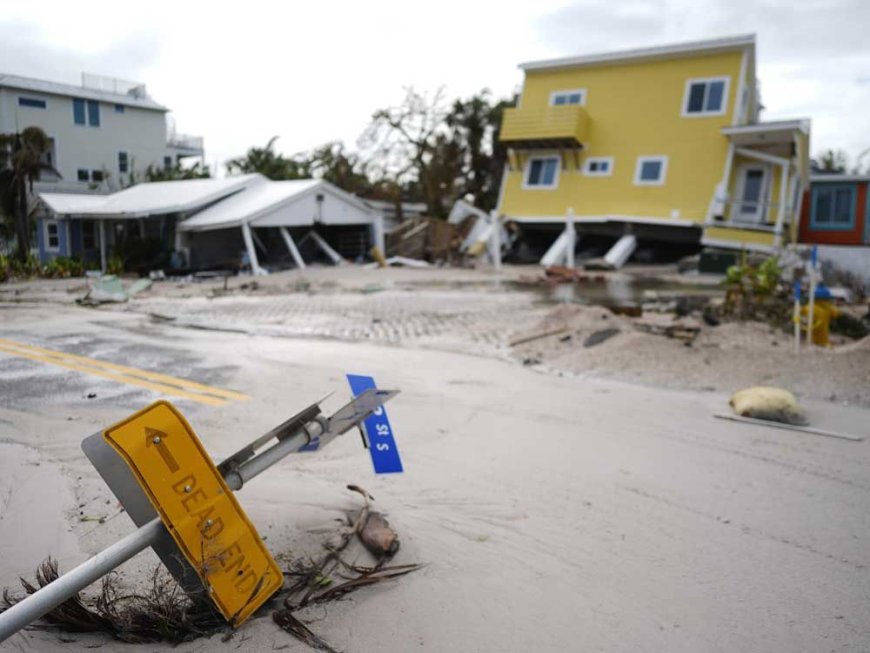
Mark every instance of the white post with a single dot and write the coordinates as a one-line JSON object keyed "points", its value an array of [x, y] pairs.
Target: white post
{"points": [[294, 251], [572, 238], [783, 198], [495, 240], [377, 231], [796, 316], [102, 245], [811, 301], [252, 252]]}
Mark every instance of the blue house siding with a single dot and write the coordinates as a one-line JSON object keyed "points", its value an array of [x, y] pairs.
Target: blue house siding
{"points": [[63, 248]]}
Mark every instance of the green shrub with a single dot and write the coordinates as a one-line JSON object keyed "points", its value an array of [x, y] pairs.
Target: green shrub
{"points": [[115, 265], [63, 267], [757, 292]]}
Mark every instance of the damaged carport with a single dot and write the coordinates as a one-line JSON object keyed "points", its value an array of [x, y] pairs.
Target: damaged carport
{"points": [[276, 223]]}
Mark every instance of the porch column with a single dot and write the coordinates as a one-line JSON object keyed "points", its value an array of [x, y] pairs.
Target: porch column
{"points": [[571, 230], [252, 252], [102, 245], [783, 198], [721, 192], [291, 246]]}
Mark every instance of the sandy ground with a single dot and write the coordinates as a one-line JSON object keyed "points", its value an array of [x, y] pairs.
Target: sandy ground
{"points": [[553, 512], [721, 359]]}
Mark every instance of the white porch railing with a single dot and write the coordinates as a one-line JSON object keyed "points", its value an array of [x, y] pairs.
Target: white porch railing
{"points": [[731, 208]]}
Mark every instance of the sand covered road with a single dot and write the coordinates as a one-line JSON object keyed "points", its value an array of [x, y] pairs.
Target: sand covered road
{"points": [[551, 513]]}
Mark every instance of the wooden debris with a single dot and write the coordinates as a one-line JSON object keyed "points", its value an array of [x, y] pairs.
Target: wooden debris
{"points": [[427, 239], [561, 274], [686, 330], [629, 310], [537, 336], [789, 427]]}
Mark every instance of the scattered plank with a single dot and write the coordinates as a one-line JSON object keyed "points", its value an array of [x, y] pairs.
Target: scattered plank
{"points": [[537, 336], [789, 427]]}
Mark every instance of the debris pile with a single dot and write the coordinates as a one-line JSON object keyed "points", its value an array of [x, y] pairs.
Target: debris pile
{"points": [[424, 239], [163, 612]]}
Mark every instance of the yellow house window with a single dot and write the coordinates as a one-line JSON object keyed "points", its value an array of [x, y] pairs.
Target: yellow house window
{"points": [[542, 172], [705, 96], [573, 96], [651, 171], [598, 166]]}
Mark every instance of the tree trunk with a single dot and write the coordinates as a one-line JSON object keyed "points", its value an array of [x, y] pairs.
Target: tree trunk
{"points": [[22, 226]]}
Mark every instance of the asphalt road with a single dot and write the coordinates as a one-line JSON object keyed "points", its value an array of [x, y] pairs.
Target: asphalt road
{"points": [[553, 513]]}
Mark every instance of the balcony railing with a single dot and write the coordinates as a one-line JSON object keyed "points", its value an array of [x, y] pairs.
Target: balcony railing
{"points": [[557, 127], [193, 144]]}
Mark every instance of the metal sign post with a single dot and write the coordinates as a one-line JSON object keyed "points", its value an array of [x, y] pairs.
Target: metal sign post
{"points": [[161, 438]]}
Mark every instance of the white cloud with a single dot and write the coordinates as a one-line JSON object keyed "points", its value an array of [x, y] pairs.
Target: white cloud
{"points": [[314, 72]]}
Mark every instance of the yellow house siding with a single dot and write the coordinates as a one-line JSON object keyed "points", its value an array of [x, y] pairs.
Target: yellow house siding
{"points": [[739, 236], [634, 109]]}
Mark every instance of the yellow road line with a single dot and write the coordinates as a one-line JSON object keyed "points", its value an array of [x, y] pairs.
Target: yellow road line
{"points": [[129, 375], [132, 371]]}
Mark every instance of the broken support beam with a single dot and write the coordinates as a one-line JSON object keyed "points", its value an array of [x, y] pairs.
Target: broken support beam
{"points": [[291, 246], [331, 253]]}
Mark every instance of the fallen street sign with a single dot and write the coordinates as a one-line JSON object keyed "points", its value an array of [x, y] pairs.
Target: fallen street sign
{"points": [[379, 434], [198, 509]]}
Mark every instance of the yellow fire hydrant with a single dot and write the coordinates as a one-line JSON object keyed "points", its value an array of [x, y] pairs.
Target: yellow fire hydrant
{"points": [[823, 312]]}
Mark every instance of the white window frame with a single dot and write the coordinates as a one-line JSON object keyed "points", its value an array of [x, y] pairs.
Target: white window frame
{"points": [[704, 113], [45, 225], [597, 173], [554, 185], [663, 159], [581, 91]]}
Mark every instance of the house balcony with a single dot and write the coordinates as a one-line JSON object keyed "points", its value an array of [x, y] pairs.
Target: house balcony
{"points": [[184, 145], [560, 127]]}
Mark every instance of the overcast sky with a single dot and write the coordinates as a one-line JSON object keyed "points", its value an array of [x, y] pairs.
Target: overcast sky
{"points": [[315, 72]]}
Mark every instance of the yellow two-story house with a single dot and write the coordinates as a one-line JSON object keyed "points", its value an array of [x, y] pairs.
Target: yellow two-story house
{"points": [[661, 143]]}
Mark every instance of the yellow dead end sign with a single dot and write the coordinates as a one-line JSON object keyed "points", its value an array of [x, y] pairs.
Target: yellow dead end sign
{"points": [[198, 509]]}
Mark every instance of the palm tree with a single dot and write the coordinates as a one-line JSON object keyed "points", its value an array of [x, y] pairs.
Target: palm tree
{"points": [[271, 164], [22, 158]]}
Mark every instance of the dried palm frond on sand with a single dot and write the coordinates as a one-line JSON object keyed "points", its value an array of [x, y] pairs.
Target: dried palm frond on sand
{"points": [[163, 612]]}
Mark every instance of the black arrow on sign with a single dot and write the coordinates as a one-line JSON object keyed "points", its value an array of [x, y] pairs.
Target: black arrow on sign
{"points": [[158, 439]]}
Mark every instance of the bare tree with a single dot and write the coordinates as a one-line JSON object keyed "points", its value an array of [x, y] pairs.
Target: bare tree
{"points": [[410, 146]]}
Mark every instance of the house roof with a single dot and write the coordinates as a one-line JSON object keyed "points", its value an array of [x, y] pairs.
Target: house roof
{"points": [[263, 200], [834, 178], [709, 46], [154, 198], [801, 124], [70, 90]]}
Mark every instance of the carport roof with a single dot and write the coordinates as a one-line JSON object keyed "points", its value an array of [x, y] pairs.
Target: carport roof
{"points": [[248, 205], [260, 200], [154, 198]]}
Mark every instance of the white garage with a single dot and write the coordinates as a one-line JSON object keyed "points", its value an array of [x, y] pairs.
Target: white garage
{"points": [[269, 215]]}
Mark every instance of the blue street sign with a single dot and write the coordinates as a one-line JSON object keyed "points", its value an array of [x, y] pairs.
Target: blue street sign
{"points": [[382, 444]]}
